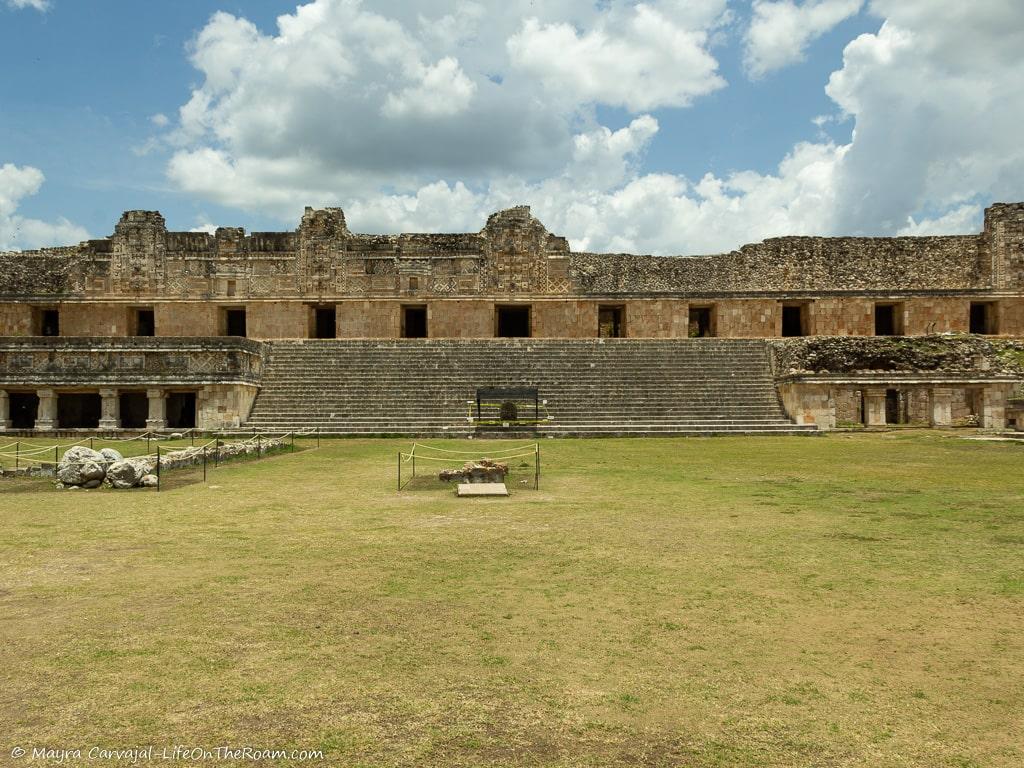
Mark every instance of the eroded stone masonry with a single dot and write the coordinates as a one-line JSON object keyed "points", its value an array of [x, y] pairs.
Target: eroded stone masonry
{"points": [[63, 310]]}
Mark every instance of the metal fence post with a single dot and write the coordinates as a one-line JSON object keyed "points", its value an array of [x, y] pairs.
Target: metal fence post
{"points": [[17, 454], [204, 463], [536, 476], [318, 436], [158, 469], [216, 452], [55, 462], [259, 446], [149, 437]]}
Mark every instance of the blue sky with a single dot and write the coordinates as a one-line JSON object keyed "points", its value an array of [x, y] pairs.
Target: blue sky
{"points": [[666, 127]]}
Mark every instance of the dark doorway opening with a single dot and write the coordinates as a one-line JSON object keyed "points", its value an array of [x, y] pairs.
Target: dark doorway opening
{"points": [[234, 322], [982, 317], [77, 410], [134, 410], [885, 320], [700, 322], [793, 320], [145, 322], [513, 322], [414, 322], [325, 323], [611, 322], [892, 406], [181, 410], [49, 322], [24, 409]]}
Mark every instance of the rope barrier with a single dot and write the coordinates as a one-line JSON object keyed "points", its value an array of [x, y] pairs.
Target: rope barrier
{"points": [[476, 453], [409, 457]]}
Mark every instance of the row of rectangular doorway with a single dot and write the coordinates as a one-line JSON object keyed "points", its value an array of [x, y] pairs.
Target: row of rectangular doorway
{"points": [[515, 321], [83, 410]]}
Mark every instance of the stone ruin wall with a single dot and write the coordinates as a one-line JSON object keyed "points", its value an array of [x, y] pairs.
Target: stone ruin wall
{"points": [[460, 277], [512, 255]]}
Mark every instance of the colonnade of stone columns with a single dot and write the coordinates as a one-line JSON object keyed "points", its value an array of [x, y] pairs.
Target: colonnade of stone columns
{"points": [[110, 409], [990, 406]]}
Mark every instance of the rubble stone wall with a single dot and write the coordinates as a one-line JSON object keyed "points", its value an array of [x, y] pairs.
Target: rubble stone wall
{"points": [[189, 278]]}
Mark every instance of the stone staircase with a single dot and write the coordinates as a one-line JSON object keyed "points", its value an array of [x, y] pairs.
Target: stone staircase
{"points": [[614, 387]]}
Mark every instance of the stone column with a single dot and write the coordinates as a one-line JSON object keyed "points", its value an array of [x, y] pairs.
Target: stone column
{"points": [[5, 411], [157, 409], [110, 409], [874, 407], [46, 418], [940, 407], [992, 407]]}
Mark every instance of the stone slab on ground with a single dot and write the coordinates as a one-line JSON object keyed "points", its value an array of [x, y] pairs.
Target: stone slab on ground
{"points": [[482, 489]]}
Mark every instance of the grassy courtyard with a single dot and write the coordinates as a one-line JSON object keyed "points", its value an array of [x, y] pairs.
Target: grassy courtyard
{"points": [[852, 600]]}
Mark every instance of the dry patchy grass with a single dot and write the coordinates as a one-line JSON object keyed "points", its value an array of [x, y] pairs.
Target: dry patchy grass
{"points": [[853, 600]]}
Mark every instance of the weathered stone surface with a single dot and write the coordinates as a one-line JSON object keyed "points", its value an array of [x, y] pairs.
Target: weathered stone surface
{"points": [[513, 254], [128, 473], [851, 354], [483, 471], [149, 481], [111, 455], [80, 465]]}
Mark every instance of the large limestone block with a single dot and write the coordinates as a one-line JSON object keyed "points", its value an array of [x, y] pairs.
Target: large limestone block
{"points": [[128, 473], [81, 465]]}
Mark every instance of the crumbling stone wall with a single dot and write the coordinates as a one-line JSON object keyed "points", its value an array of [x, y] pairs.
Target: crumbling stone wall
{"points": [[512, 255], [793, 265], [854, 354]]}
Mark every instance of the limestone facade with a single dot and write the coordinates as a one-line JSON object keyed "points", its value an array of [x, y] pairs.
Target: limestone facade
{"points": [[145, 280]]}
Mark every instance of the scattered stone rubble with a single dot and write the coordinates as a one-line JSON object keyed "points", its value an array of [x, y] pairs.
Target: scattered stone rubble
{"points": [[82, 467], [483, 471]]}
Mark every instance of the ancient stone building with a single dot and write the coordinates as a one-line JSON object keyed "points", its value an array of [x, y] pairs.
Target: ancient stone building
{"points": [[154, 328]]}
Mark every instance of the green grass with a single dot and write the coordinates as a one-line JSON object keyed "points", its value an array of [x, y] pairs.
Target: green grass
{"points": [[852, 600]]}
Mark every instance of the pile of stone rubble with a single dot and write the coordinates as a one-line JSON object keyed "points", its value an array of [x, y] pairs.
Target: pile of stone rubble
{"points": [[82, 467], [483, 471]]}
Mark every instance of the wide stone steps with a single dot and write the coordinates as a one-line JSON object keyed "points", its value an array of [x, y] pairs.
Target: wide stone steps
{"points": [[419, 387]]}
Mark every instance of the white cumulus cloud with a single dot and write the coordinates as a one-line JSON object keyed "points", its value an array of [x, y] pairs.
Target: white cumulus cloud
{"points": [[639, 59], [39, 5], [781, 30], [21, 232], [429, 116]]}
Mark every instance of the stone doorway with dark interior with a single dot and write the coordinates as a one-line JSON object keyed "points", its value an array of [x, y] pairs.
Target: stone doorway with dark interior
{"points": [[181, 410], [414, 321], [512, 321]]}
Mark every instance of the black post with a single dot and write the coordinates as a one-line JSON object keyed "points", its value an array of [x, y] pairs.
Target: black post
{"points": [[55, 462], [259, 446], [17, 453], [158, 469], [399, 470], [90, 444], [536, 476], [293, 442], [149, 437], [318, 436], [204, 463], [216, 453], [192, 435], [414, 461]]}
